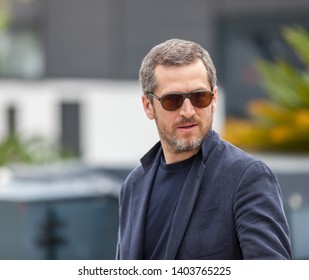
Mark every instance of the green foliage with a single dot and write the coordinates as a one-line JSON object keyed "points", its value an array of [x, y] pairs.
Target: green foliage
{"points": [[280, 123], [34, 151], [297, 38], [4, 14], [285, 85]]}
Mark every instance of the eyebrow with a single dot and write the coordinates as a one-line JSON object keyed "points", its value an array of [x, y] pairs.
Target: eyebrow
{"points": [[195, 90]]}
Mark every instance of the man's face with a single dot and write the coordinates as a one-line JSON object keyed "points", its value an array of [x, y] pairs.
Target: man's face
{"points": [[184, 129]]}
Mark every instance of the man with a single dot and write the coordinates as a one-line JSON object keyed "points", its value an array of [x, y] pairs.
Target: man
{"points": [[195, 196]]}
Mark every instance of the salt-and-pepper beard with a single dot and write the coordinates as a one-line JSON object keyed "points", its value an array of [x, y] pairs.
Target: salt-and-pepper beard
{"points": [[178, 145]]}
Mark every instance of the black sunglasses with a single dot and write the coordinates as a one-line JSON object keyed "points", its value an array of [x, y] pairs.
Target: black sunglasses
{"points": [[173, 101]]}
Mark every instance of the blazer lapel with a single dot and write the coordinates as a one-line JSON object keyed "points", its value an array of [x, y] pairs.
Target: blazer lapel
{"points": [[141, 193], [184, 208]]}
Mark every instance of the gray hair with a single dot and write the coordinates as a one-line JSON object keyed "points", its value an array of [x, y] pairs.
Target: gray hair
{"points": [[174, 52]]}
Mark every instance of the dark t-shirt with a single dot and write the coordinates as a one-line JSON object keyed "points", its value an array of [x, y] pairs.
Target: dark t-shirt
{"points": [[165, 194]]}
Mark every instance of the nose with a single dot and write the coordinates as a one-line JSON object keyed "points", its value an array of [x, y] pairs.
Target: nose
{"points": [[187, 110]]}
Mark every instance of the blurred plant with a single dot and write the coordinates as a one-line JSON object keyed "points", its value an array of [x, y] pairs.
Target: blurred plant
{"points": [[280, 123], [4, 14], [6, 11], [34, 151]]}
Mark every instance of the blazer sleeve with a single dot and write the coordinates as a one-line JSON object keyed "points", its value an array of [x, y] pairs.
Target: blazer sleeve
{"points": [[260, 220]]}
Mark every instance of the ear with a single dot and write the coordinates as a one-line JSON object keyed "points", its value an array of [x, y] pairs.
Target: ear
{"points": [[214, 99], [148, 108]]}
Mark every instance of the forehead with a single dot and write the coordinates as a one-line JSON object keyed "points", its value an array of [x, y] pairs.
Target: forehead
{"points": [[185, 77]]}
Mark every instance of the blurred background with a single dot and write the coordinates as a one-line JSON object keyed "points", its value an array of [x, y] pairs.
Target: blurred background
{"points": [[72, 126]]}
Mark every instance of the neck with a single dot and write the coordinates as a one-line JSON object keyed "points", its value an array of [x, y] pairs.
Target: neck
{"points": [[173, 157]]}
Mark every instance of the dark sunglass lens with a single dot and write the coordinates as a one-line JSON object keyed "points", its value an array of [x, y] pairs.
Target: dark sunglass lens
{"points": [[172, 102], [201, 99]]}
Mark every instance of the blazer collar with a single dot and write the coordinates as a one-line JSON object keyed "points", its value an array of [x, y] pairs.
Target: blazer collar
{"points": [[147, 159]]}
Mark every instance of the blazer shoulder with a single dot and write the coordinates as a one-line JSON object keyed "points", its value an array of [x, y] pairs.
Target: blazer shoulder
{"points": [[233, 155]]}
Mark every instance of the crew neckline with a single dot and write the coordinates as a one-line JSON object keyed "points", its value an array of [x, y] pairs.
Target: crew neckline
{"points": [[177, 165]]}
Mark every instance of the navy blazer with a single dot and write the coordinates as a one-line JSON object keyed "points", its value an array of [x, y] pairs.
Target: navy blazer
{"points": [[230, 207]]}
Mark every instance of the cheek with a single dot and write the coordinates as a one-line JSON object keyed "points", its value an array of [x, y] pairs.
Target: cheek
{"points": [[164, 119], [206, 118], [205, 114]]}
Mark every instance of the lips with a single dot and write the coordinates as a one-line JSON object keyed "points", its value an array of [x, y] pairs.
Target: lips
{"points": [[187, 127], [187, 124]]}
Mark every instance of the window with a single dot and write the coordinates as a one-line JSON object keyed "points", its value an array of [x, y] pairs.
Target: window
{"points": [[21, 45]]}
